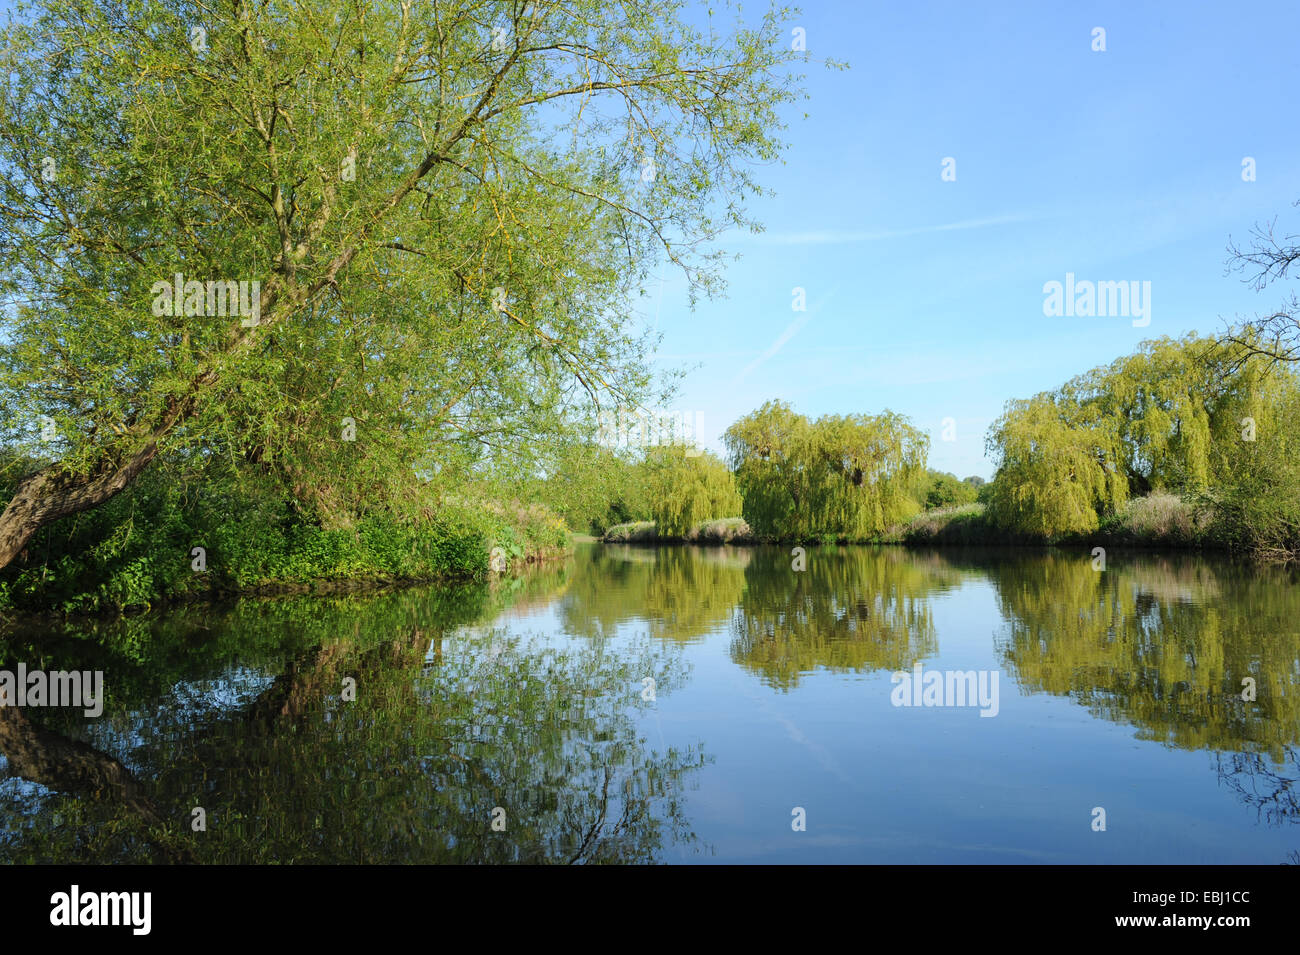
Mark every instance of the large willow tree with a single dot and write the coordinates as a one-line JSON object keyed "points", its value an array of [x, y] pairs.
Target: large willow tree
{"points": [[841, 476], [447, 207], [1055, 474], [1209, 421], [687, 488], [1162, 399]]}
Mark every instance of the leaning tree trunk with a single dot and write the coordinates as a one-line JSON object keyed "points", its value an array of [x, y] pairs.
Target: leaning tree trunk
{"points": [[51, 493]]}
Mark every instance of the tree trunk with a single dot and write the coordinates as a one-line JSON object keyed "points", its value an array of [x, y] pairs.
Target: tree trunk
{"points": [[51, 493], [69, 765]]}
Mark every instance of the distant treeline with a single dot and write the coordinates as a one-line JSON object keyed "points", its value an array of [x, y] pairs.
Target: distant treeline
{"points": [[1185, 442]]}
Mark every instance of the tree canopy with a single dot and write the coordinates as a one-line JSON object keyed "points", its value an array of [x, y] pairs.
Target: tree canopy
{"points": [[845, 476], [1209, 422], [686, 488], [434, 218]]}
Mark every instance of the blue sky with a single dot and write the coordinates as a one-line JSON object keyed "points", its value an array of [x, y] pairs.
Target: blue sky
{"points": [[926, 296]]}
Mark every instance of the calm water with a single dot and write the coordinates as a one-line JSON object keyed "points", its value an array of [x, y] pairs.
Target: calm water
{"points": [[684, 705]]}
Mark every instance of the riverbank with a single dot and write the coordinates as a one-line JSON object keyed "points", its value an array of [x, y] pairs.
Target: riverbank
{"points": [[160, 543], [1158, 521], [728, 530]]}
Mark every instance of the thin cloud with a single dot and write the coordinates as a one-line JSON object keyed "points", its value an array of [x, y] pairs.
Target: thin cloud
{"points": [[839, 236], [791, 330]]}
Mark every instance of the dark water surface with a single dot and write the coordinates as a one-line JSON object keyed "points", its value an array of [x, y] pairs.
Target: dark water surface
{"points": [[685, 705]]}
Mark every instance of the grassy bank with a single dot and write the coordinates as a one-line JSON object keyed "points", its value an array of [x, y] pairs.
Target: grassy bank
{"points": [[964, 524], [161, 541], [727, 530], [1162, 521]]}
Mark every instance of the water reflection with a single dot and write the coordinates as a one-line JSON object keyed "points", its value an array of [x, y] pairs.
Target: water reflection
{"points": [[452, 729], [678, 593], [1159, 643], [476, 703], [1168, 645], [851, 609], [1194, 655]]}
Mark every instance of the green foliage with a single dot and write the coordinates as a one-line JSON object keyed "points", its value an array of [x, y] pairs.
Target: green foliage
{"points": [[447, 236], [524, 531], [727, 530], [961, 524], [839, 477], [1053, 476], [633, 532], [136, 550], [1157, 520], [1255, 497], [593, 488], [686, 488], [1204, 422], [944, 490], [1161, 400]]}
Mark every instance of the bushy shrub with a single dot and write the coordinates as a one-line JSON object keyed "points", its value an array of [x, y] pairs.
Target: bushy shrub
{"points": [[1157, 518], [945, 490], [962, 524], [632, 533], [728, 530], [139, 548]]}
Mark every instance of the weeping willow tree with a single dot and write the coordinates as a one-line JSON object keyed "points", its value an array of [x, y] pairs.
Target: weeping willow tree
{"points": [[841, 476], [1200, 419], [1162, 399], [687, 488], [766, 450], [1255, 464], [1054, 475]]}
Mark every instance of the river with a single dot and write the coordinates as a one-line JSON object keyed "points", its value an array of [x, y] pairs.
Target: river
{"points": [[685, 705]]}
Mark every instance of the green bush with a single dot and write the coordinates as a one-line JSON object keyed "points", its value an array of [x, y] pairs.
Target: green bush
{"points": [[962, 524], [137, 549], [945, 490], [1157, 519], [727, 530], [633, 533]]}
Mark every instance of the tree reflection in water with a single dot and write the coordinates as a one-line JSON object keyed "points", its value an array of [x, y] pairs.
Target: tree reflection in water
{"points": [[461, 713], [452, 726]]}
